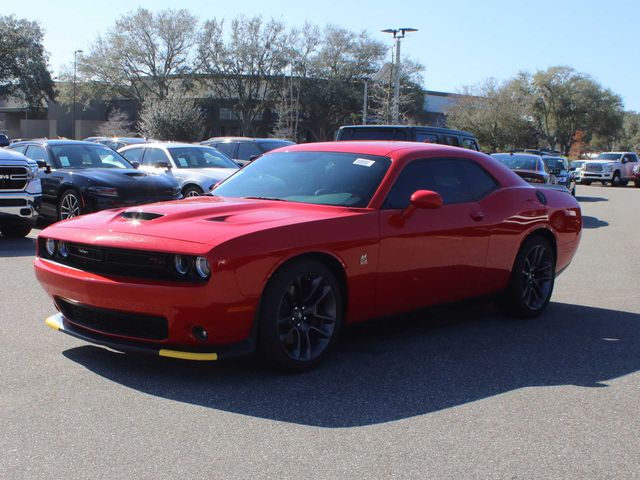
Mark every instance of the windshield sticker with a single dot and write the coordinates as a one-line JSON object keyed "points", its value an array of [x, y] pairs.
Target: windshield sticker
{"points": [[182, 161], [64, 161], [364, 162]]}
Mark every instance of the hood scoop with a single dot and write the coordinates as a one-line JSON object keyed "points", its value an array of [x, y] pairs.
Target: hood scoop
{"points": [[219, 218], [135, 174], [137, 216]]}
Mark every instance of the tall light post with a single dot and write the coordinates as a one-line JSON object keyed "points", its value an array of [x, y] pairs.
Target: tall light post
{"points": [[398, 34], [75, 64]]}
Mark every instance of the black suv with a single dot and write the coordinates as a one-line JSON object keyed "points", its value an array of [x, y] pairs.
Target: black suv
{"points": [[444, 136], [244, 149]]}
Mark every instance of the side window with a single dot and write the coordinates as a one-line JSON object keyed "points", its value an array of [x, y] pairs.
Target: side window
{"points": [[629, 158], [228, 148], [155, 155], [133, 155], [452, 140], [458, 180], [426, 137], [470, 143], [246, 150], [36, 153]]}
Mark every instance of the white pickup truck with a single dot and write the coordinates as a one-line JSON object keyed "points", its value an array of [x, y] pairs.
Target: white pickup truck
{"points": [[20, 193], [615, 168]]}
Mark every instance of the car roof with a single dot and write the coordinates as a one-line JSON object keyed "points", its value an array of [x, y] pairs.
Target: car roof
{"points": [[246, 139], [516, 154], [164, 145], [46, 141], [374, 147]]}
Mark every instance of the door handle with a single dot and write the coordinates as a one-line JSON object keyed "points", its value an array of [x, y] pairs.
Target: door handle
{"points": [[477, 216]]}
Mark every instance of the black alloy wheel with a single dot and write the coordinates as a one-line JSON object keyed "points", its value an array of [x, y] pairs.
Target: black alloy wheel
{"points": [[301, 315], [69, 205], [532, 279]]}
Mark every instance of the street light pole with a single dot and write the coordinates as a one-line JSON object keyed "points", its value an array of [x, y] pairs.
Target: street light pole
{"points": [[398, 35], [75, 64]]}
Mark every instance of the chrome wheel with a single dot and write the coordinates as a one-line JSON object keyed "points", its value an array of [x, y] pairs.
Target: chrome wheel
{"points": [[537, 277], [307, 317], [69, 206], [192, 193]]}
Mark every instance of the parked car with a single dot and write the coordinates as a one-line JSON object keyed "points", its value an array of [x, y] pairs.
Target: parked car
{"points": [[83, 177], [615, 168], [5, 141], [197, 168], [559, 168], [531, 168], [636, 175], [443, 136], [303, 241], [116, 143], [577, 166], [20, 193], [244, 149]]}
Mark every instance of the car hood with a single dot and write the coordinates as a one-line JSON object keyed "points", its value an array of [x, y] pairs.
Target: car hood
{"points": [[205, 220], [130, 183], [602, 161]]}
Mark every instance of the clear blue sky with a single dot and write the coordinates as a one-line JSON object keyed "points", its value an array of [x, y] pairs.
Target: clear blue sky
{"points": [[460, 42]]}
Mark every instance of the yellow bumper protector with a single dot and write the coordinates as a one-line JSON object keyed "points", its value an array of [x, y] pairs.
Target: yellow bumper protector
{"points": [[52, 322], [188, 355]]}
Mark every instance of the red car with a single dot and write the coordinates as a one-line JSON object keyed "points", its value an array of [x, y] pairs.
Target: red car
{"points": [[302, 241]]}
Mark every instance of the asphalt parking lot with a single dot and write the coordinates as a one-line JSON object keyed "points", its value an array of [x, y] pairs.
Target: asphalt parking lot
{"points": [[453, 393]]}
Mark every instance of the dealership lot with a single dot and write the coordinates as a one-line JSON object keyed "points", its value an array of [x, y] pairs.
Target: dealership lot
{"points": [[452, 393]]}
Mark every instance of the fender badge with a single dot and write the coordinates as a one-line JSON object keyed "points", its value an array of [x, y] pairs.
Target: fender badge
{"points": [[363, 259]]}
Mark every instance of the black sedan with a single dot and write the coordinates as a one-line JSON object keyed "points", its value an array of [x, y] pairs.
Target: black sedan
{"points": [[82, 177], [530, 167], [559, 168]]}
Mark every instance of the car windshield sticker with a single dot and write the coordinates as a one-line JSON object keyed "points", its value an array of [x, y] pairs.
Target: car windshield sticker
{"points": [[64, 161], [364, 162], [182, 161]]}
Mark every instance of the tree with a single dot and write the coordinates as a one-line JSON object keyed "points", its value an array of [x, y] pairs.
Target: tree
{"points": [[245, 63], [175, 118], [24, 73], [563, 101], [496, 113], [144, 54], [333, 90], [118, 124], [629, 138]]}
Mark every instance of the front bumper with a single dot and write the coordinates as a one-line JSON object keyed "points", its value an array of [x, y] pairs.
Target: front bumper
{"points": [[19, 206], [597, 176], [59, 323]]}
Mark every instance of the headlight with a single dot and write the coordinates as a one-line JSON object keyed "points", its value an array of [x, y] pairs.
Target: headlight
{"points": [[608, 168], [32, 172], [50, 247], [63, 249], [636, 169], [202, 267], [181, 264], [103, 191]]}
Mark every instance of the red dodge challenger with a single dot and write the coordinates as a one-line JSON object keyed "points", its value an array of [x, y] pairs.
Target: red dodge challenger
{"points": [[302, 241]]}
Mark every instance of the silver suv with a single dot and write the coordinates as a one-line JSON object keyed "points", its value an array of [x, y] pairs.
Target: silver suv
{"points": [[197, 168]]}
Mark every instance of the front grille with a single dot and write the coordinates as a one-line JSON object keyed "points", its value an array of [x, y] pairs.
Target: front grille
{"points": [[13, 178], [593, 167], [13, 202], [114, 322], [115, 261]]}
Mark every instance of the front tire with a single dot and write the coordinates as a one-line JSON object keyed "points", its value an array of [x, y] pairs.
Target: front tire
{"points": [[300, 315], [20, 230], [69, 205], [192, 191], [532, 279]]}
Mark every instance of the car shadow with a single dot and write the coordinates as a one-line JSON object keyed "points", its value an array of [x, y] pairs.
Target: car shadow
{"points": [[593, 222], [17, 247], [392, 370], [591, 199]]}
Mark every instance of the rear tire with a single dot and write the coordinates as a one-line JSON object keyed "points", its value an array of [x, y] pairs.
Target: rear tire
{"points": [[532, 279], [637, 183], [300, 315], [586, 182]]}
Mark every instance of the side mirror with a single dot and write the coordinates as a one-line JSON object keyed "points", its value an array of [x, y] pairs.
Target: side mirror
{"points": [[162, 165], [254, 157], [572, 169], [423, 199], [135, 164], [45, 165]]}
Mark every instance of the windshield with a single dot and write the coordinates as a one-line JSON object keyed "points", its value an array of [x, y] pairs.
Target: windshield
{"points": [[200, 157], [326, 178], [555, 163], [372, 133], [608, 156], [87, 156], [518, 162]]}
